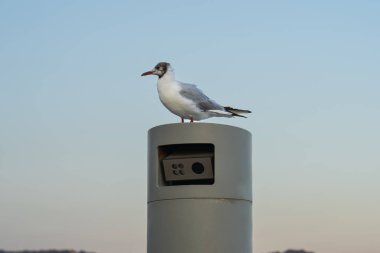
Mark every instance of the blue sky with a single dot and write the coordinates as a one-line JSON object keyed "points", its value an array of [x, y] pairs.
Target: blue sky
{"points": [[74, 116]]}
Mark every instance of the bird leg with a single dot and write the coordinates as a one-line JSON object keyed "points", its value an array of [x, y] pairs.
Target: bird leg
{"points": [[182, 120]]}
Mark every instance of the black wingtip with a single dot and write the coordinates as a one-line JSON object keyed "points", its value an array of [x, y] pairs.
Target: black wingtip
{"points": [[236, 112], [238, 115]]}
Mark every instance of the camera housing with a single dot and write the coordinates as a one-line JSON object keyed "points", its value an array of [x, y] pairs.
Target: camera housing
{"points": [[186, 164]]}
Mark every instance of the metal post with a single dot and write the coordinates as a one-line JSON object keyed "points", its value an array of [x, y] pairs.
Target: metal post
{"points": [[199, 189]]}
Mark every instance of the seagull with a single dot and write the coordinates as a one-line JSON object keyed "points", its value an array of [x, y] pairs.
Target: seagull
{"points": [[186, 100]]}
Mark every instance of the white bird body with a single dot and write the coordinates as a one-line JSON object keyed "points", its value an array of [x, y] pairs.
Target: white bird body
{"points": [[169, 93], [186, 100]]}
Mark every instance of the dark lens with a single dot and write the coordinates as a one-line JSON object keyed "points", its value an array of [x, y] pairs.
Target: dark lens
{"points": [[198, 168]]}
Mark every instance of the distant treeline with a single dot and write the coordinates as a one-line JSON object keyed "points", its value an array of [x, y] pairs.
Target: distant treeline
{"points": [[45, 251], [73, 251]]}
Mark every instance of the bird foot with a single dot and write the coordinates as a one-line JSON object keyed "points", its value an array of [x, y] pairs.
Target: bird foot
{"points": [[191, 120]]}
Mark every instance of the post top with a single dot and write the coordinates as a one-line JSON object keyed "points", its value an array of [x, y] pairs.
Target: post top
{"points": [[198, 125]]}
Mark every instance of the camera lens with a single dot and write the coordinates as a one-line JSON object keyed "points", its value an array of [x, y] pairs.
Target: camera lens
{"points": [[198, 168]]}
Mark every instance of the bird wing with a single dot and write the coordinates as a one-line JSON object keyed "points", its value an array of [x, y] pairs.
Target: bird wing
{"points": [[191, 91]]}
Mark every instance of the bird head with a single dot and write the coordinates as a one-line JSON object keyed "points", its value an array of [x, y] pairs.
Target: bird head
{"points": [[160, 69]]}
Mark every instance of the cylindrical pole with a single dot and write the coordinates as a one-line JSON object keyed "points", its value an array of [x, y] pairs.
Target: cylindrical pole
{"points": [[199, 189]]}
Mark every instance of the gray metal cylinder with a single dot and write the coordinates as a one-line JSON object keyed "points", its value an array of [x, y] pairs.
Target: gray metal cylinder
{"points": [[199, 209]]}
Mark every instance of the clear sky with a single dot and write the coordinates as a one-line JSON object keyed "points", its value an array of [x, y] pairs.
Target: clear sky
{"points": [[74, 116]]}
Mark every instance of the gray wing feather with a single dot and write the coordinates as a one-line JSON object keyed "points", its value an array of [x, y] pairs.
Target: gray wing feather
{"points": [[191, 92]]}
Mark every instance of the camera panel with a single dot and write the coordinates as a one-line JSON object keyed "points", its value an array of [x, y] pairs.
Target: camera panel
{"points": [[186, 164], [180, 169]]}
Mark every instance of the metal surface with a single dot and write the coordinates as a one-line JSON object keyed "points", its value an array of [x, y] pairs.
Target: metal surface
{"points": [[201, 218]]}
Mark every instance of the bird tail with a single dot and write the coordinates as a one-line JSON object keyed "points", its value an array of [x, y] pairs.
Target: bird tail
{"points": [[236, 112]]}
